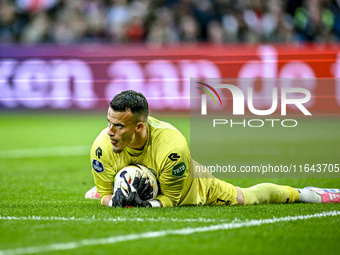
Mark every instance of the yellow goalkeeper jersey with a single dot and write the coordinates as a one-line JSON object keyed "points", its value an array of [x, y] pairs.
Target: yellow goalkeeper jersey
{"points": [[166, 151]]}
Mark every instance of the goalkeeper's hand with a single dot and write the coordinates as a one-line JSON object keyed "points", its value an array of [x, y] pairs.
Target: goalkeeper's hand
{"points": [[144, 191], [134, 200], [118, 199], [139, 191]]}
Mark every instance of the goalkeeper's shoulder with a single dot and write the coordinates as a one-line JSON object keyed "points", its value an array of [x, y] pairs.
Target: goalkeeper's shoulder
{"points": [[101, 144], [101, 159], [165, 135]]}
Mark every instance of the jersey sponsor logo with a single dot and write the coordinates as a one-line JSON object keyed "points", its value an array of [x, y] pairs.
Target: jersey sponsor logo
{"points": [[174, 156], [179, 169], [97, 166], [99, 152]]}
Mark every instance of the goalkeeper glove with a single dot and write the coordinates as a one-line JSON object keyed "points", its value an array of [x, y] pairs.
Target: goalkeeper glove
{"points": [[139, 191], [144, 191], [134, 200], [119, 199]]}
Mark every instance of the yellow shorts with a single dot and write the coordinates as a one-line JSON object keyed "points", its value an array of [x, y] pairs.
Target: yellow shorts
{"points": [[205, 189], [217, 192]]}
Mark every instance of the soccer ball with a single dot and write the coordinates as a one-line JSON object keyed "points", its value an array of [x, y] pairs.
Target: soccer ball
{"points": [[128, 174]]}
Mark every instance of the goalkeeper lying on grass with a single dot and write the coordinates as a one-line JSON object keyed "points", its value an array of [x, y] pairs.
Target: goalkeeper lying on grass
{"points": [[133, 137]]}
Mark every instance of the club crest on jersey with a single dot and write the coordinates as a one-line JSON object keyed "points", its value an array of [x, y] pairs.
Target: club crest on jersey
{"points": [[179, 169], [97, 166]]}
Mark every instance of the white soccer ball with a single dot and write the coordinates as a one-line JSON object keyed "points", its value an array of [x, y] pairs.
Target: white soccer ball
{"points": [[128, 174]]}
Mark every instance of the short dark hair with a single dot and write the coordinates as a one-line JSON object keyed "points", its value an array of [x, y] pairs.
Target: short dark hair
{"points": [[133, 101]]}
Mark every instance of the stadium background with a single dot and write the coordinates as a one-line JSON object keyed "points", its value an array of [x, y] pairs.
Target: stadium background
{"points": [[60, 64]]}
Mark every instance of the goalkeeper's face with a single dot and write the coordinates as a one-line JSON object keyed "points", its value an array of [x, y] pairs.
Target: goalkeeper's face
{"points": [[124, 131]]}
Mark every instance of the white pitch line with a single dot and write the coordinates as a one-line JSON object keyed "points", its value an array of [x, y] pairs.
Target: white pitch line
{"points": [[114, 220], [46, 152], [155, 234]]}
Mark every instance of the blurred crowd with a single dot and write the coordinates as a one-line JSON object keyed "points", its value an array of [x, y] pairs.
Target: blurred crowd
{"points": [[169, 21]]}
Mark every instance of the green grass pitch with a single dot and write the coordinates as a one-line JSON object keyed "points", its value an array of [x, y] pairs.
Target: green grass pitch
{"points": [[45, 172]]}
